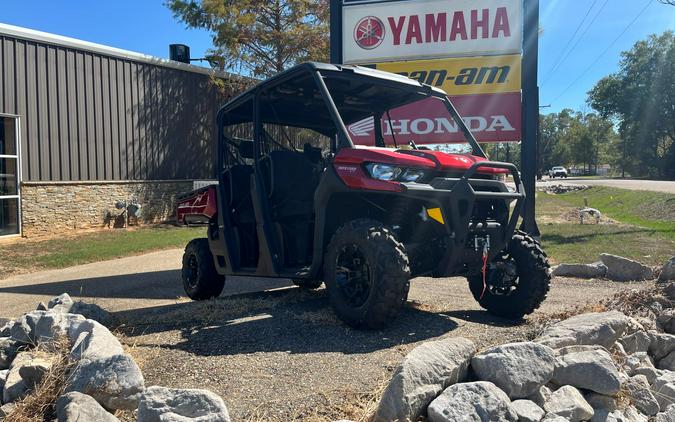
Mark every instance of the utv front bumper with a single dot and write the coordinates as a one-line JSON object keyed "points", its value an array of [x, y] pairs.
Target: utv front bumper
{"points": [[458, 199]]}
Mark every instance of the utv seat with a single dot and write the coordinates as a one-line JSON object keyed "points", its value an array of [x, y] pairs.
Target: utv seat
{"points": [[291, 178], [237, 184]]}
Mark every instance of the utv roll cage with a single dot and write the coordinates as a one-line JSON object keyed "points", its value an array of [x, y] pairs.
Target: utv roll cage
{"points": [[338, 129]]}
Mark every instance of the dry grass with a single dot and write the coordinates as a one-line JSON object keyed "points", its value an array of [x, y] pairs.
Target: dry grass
{"points": [[357, 406], [634, 303], [206, 312], [40, 404]]}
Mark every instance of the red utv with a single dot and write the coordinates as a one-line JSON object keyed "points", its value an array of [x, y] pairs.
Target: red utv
{"points": [[296, 198]]}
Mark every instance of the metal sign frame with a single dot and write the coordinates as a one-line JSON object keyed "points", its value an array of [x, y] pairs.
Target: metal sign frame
{"points": [[529, 94]]}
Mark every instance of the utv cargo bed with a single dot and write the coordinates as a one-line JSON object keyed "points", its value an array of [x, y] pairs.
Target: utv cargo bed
{"points": [[197, 207]]}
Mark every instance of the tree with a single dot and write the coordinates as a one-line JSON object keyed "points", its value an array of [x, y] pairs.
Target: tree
{"points": [[570, 138], [640, 98], [589, 138], [554, 148], [259, 37]]}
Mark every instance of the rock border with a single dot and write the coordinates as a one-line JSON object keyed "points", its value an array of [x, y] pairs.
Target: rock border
{"points": [[601, 366], [102, 379]]}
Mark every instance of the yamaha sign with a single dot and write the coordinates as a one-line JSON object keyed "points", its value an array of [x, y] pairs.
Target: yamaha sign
{"points": [[430, 29]]}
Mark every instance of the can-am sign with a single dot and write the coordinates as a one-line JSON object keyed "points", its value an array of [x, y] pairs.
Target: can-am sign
{"points": [[419, 29], [462, 76]]}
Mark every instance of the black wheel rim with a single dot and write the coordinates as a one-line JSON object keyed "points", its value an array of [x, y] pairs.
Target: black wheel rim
{"points": [[503, 277], [352, 276], [192, 271]]}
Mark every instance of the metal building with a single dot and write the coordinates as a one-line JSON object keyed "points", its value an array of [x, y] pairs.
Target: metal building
{"points": [[77, 116]]}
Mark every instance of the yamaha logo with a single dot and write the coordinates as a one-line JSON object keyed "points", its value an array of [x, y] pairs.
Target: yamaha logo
{"points": [[369, 32]]}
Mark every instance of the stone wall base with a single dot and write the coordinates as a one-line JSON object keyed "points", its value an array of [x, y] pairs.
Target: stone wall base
{"points": [[50, 207]]}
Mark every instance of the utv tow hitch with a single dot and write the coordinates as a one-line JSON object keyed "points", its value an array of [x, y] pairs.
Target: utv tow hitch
{"points": [[484, 244]]}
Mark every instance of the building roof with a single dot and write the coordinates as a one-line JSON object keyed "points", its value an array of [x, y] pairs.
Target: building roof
{"points": [[45, 37]]}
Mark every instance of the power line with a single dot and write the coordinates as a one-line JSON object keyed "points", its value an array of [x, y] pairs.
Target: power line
{"points": [[570, 40], [603, 52], [577, 42]]}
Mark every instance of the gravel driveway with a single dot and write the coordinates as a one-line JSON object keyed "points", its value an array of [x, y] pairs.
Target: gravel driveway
{"points": [[278, 354], [631, 184]]}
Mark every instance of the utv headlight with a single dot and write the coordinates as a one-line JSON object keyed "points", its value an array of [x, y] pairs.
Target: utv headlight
{"points": [[391, 172], [411, 175], [383, 171]]}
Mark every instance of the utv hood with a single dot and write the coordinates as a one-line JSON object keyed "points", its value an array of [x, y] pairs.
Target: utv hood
{"points": [[437, 160]]}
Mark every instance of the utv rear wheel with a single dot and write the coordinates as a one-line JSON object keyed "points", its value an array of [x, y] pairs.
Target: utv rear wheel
{"points": [[201, 281], [367, 274], [516, 282]]}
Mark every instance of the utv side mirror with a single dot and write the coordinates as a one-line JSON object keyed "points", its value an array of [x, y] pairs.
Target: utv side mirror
{"points": [[246, 149]]}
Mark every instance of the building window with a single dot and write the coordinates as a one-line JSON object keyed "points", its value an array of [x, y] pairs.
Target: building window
{"points": [[9, 177]]}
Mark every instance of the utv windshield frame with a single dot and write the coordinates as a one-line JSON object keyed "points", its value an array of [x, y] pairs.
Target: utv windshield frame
{"points": [[318, 73]]}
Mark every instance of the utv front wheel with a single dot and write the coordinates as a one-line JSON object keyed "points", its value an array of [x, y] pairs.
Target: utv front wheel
{"points": [[367, 274], [201, 281], [516, 282]]}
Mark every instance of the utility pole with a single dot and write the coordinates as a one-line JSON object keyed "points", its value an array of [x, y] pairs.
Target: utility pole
{"points": [[530, 123]]}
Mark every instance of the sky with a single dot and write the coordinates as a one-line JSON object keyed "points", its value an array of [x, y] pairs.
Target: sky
{"points": [[580, 42]]}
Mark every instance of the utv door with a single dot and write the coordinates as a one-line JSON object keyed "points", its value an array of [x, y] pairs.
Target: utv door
{"points": [[293, 137], [235, 241]]}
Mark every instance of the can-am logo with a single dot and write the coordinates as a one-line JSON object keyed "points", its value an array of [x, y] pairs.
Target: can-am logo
{"points": [[487, 75], [369, 32]]}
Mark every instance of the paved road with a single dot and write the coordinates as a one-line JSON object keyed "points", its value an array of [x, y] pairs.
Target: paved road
{"points": [[650, 185], [119, 285], [276, 355]]}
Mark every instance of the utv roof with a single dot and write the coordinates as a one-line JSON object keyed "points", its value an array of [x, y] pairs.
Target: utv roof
{"points": [[325, 68]]}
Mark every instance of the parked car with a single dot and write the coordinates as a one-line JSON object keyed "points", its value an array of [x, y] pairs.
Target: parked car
{"points": [[558, 171]]}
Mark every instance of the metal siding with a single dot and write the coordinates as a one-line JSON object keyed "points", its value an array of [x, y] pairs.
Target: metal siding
{"points": [[80, 109], [71, 103], [54, 157], [31, 133], [129, 123], [153, 93], [143, 114], [107, 144], [114, 120], [88, 116], [97, 105], [62, 116], [21, 106], [163, 111], [135, 125], [8, 87], [42, 99], [91, 116], [2, 74]]}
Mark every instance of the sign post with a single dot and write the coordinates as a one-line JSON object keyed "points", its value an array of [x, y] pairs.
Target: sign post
{"points": [[336, 31], [530, 143]]}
